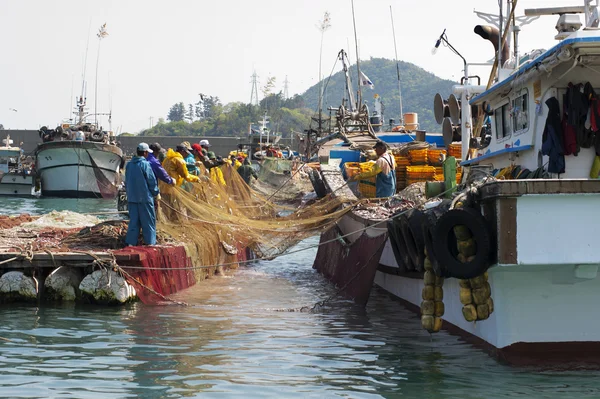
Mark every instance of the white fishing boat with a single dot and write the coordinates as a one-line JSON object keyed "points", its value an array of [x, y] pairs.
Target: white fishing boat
{"points": [[530, 157], [16, 178], [81, 159]]}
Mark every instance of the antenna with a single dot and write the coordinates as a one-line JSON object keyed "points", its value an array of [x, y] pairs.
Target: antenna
{"points": [[397, 68], [254, 93], [101, 34], [357, 57], [285, 88], [85, 60]]}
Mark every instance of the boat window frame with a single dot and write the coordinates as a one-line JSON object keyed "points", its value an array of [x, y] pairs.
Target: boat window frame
{"points": [[522, 93], [508, 135]]}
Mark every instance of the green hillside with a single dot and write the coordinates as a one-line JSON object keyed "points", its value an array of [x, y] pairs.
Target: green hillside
{"points": [[207, 116], [418, 89]]}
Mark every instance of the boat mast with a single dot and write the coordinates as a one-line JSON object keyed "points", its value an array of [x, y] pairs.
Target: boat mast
{"points": [[323, 26], [397, 69], [359, 94], [101, 34], [344, 57]]}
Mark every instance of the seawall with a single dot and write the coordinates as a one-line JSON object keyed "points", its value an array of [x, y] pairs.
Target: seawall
{"points": [[220, 145]]}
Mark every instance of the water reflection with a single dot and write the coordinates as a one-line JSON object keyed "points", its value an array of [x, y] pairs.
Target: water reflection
{"points": [[231, 341]]}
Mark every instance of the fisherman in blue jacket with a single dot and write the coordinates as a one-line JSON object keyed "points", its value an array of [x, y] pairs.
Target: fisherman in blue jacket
{"points": [[157, 168], [141, 187]]}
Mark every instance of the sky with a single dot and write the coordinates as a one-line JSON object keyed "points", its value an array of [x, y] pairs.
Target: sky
{"points": [[159, 53]]}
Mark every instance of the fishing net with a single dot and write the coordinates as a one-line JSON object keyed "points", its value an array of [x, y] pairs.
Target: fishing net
{"points": [[219, 218]]}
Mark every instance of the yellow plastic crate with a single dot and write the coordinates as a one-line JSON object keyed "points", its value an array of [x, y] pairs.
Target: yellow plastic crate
{"points": [[366, 187], [434, 156]]}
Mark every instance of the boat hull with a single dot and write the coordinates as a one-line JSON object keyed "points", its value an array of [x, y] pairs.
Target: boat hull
{"points": [[73, 169], [14, 184], [545, 286]]}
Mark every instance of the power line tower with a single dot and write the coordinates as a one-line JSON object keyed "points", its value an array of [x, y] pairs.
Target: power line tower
{"points": [[285, 88], [254, 94]]}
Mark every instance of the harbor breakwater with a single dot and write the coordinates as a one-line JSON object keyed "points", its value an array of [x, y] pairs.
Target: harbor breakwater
{"points": [[220, 145]]}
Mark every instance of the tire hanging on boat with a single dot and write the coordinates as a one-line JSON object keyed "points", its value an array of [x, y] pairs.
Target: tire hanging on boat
{"points": [[395, 235], [402, 247], [480, 248], [97, 136], [317, 183], [427, 228], [413, 237]]}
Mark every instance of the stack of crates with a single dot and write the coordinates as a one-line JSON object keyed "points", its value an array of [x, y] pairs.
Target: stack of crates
{"points": [[435, 156], [416, 174], [458, 174], [401, 164], [366, 187], [455, 150], [418, 157]]}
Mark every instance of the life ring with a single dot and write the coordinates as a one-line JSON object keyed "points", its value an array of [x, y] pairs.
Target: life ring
{"points": [[402, 247], [413, 237], [397, 243], [445, 248]]}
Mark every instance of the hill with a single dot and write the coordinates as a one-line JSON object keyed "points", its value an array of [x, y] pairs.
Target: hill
{"points": [[209, 117], [418, 89]]}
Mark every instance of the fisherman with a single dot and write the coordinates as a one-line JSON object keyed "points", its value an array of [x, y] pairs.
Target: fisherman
{"points": [[233, 161], [141, 188], [201, 156], [176, 167], [159, 172], [204, 144], [216, 174], [247, 171], [384, 169], [190, 160]]}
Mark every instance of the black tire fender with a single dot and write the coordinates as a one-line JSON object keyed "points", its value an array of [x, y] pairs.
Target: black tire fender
{"points": [[317, 183], [402, 247], [413, 237], [397, 243], [444, 242], [428, 228]]}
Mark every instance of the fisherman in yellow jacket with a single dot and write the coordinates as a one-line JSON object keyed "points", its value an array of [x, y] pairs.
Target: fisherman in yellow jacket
{"points": [[175, 166], [216, 174]]}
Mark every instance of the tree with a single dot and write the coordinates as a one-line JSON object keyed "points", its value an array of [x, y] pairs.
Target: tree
{"points": [[177, 112], [190, 114]]}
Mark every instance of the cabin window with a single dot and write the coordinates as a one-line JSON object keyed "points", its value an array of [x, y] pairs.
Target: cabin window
{"points": [[520, 113], [502, 118]]}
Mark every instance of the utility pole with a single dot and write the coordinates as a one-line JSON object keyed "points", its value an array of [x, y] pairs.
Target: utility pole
{"points": [[254, 93], [285, 88]]}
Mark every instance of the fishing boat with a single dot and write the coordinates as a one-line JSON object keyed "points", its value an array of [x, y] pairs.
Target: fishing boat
{"points": [[508, 261], [16, 178], [79, 160]]}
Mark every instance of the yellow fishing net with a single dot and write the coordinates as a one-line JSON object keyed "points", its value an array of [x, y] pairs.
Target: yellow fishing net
{"points": [[217, 220]]}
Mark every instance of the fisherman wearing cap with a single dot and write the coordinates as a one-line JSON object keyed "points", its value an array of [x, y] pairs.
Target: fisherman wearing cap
{"points": [[384, 169], [189, 159], [141, 187], [247, 171], [159, 171], [216, 174], [175, 165]]}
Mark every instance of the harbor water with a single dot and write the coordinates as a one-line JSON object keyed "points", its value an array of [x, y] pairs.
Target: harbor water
{"points": [[237, 337]]}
